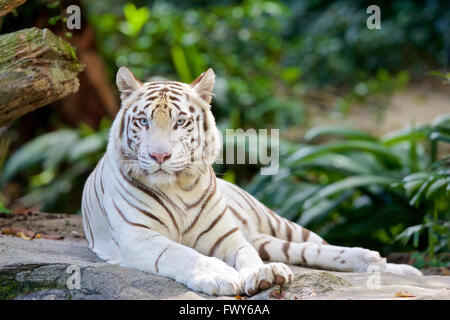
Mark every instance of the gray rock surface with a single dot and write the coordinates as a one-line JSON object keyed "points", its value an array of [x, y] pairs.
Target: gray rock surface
{"points": [[48, 269]]}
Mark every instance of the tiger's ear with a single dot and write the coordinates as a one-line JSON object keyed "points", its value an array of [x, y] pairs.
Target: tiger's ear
{"points": [[126, 82], [204, 85]]}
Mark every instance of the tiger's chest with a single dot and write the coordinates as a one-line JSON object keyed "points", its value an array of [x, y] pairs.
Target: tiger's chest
{"points": [[195, 209]]}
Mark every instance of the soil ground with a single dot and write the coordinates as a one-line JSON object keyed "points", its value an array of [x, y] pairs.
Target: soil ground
{"points": [[57, 225]]}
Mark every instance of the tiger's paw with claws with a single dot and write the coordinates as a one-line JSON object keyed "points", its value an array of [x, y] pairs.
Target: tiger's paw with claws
{"points": [[262, 278]]}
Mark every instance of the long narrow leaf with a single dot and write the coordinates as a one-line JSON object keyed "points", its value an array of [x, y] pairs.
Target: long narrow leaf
{"points": [[436, 186], [338, 162], [416, 199], [319, 211], [384, 153], [333, 131], [408, 232], [408, 134], [37, 151], [345, 184]]}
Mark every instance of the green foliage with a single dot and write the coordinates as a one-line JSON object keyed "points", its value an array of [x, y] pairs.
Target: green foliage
{"points": [[264, 58], [135, 19], [379, 193], [55, 165], [3, 209], [430, 190], [164, 40], [57, 9]]}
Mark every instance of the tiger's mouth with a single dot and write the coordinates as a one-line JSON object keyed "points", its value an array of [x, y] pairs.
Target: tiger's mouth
{"points": [[159, 178], [161, 170]]}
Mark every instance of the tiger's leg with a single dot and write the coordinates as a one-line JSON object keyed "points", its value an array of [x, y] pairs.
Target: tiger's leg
{"points": [[236, 251], [147, 250], [311, 254], [326, 256], [299, 234], [151, 252]]}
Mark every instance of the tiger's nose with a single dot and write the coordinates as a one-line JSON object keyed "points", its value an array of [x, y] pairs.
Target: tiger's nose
{"points": [[160, 157]]}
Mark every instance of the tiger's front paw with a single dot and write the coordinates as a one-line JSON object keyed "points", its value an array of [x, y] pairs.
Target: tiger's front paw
{"points": [[215, 277], [262, 278]]}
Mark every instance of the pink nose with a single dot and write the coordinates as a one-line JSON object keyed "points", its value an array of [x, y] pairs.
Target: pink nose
{"points": [[160, 157]]}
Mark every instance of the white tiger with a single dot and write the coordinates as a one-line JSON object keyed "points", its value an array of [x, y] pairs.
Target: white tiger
{"points": [[153, 202]]}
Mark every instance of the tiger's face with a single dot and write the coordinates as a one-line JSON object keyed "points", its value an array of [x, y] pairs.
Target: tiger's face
{"points": [[164, 130]]}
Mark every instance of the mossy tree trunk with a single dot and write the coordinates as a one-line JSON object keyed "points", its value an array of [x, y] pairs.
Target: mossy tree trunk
{"points": [[36, 68]]}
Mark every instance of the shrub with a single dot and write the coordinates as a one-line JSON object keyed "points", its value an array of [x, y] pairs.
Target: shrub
{"points": [[353, 188]]}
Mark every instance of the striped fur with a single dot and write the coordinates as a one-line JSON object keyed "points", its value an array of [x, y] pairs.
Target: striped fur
{"points": [[176, 218]]}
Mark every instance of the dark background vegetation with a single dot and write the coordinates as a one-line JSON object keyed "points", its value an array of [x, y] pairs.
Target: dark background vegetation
{"points": [[279, 64]]}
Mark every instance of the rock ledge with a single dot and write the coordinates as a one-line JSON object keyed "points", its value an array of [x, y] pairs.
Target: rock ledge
{"points": [[48, 269]]}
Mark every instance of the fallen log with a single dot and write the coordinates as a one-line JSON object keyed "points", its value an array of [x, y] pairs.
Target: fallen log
{"points": [[36, 68]]}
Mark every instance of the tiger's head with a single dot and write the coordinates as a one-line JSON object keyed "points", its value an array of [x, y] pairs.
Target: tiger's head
{"points": [[164, 130]]}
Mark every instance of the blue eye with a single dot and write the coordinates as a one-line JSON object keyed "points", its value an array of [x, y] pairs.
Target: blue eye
{"points": [[180, 122], [143, 121]]}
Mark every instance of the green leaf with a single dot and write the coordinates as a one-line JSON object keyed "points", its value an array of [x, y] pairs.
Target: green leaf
{"points": [[49, 148], [417, 176], [407, 134], [292, 204], [89, 145], [181, 64], [48, 194], [416, 199], [53, 20], [416, 239], [291, 74], [412, 186], [57, 151], [195, 60], [3, 209], [383, 153], [136, 19], [333, 131], [442, 121], [319, 211], [345, 184], [53, 5], [406, 234], [229, 176], [338, 162], [436, 186], [413, 154], [440, 136]]}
